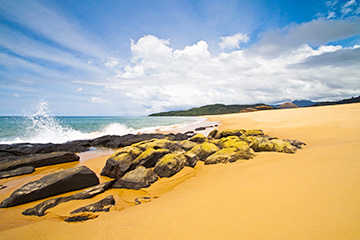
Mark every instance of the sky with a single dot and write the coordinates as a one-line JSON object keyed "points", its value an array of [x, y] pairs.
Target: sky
{"points": [[136, 57]]}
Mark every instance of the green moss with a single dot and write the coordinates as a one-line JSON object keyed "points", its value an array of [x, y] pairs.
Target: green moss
{"points": [[199, 138], [254, 132], [231, 132]]}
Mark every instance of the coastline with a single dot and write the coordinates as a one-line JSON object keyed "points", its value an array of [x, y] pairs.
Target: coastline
{"points": [[312, 194]]}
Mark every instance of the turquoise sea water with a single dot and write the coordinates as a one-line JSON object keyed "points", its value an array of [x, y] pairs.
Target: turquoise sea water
{"points": [[42, 127]]}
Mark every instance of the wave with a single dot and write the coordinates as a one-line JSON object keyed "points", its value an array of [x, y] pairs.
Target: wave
{"points": [[42, 127]]}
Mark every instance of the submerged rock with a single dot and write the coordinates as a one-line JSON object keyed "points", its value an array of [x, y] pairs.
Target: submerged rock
{"points": [[103, 205], [40, 160], [141, 177], [59, 182], [17, 172], [39, 210], [170, 164]]}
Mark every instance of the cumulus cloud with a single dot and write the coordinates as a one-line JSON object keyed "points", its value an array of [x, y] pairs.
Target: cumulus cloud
{"points": [[233, 42], [161, 78]]}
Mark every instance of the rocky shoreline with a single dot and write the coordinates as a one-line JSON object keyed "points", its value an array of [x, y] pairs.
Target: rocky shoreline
{"points": [[139, 161]]}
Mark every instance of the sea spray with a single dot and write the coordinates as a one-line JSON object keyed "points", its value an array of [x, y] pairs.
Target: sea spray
{"points": [[39, 125]]}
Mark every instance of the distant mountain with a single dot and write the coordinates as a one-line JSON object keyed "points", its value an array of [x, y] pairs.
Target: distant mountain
{"points": [[287, 105], [214, 109], [304, 103], [345, 101]]}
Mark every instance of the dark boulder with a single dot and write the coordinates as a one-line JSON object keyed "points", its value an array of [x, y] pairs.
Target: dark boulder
{"points": [[17, 172], [39, 210], [81, 217], [200, 129], [120, 162], [141, 177], [39, 160], [59, 182], [103, 205]]}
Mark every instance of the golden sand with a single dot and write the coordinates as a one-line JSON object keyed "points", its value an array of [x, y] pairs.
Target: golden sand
{"points": [[312, 194]]}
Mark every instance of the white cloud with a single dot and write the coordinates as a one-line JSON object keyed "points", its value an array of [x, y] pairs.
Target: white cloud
{"points": [[112, 62], [98, 100], [79, 89], [161, 78], [16, 95], [233, 42], [316, 32]]}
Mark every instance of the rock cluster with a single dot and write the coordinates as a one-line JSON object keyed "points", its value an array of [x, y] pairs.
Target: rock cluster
{"points": [[141, 164]]}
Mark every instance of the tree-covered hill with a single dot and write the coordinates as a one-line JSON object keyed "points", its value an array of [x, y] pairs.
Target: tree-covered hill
{"points": [[214, 109]]}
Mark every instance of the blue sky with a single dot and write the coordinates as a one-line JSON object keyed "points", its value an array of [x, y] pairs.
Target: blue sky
{"points": [[134, 57]]}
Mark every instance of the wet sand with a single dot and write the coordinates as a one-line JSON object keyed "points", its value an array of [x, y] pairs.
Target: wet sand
{"points": [[312, 194]]}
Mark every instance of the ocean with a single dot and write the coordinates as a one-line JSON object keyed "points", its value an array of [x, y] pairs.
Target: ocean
{"points": [[42, 127]]}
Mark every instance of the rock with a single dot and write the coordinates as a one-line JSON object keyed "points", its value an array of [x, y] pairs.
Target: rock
{"points": [[234, 142], [264, 107], [199, 138], [2, 187], [149, 157], [227, 155], [202, 151], [59, 182], [17, 172], [39, 210], [157, 144], [141, 177], [231, 132], [270, 144], [262, 144], [120, 162], [254, 132], [103, 205], [189, 132], [283, 146], [213, 133], [40, 160], [191, 159], [295, 143], [187, 145], [248, 110], [170, 164], [81, 217], [200, 129]]}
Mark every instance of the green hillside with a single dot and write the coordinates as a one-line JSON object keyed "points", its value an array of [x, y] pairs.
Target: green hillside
{"points": [[214, 109], [345, 101]]}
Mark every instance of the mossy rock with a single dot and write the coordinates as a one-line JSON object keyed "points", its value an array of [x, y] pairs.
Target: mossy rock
{"points": [[199, 138], [157, 144], [191, 158], [234, 142], [141, 177], [134, 152], [254, 132], [272, 144], [228, 155], [262, 144], [283, 146], [170, 164], [203, 150], [149, 157], [232, 132], [187, 145], [120, 162], [212, 134]]}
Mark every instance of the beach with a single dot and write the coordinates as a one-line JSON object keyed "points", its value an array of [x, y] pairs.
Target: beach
{"points": [[312, 194]]}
